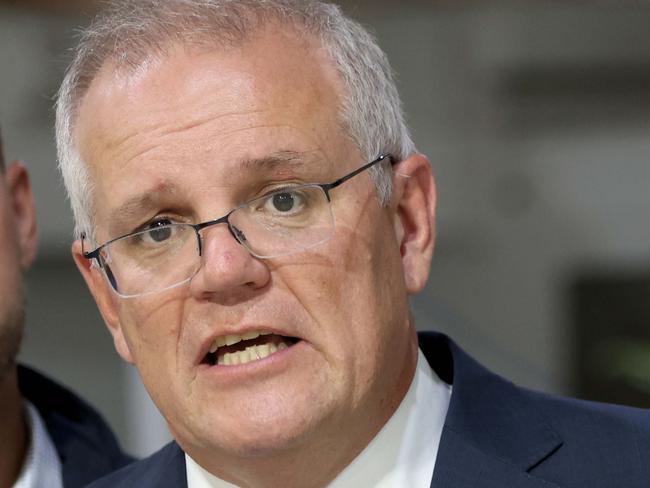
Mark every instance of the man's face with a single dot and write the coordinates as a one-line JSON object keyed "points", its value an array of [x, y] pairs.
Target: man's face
{"points": [[17, 247], [188, 132]]}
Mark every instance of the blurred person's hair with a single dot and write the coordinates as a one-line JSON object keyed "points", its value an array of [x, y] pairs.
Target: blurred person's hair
{"points": [[129, 32]]}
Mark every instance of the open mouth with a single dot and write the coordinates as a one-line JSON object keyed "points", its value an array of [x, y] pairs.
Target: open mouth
{"points": [[233, 349]]}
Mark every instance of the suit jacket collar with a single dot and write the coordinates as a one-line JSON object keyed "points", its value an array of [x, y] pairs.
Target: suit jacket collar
{"points": [[165, 469], [493, 435]]}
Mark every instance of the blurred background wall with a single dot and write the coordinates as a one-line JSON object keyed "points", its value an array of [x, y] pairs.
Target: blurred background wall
{"points": [[536, 118]]}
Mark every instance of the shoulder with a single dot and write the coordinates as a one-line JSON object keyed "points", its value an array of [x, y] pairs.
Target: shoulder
{"points": [[602, 444], [474, 384], [592, 424], [87, 447], [566, 441], [165, 468]]}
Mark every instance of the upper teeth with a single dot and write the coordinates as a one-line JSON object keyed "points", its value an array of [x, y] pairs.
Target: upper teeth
{"points": [[229, 340], [252, 353]]}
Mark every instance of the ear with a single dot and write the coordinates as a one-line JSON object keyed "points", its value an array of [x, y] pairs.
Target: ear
{"points": [[23, 209], [104, 297], [414, 200]]}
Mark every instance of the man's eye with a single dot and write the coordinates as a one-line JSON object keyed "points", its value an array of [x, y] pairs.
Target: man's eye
{"points": [[284, 202], [158, 231]]}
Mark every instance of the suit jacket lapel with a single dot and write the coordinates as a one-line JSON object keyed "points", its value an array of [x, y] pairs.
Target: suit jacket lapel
{"points": [[492, 435], [462, 465]]}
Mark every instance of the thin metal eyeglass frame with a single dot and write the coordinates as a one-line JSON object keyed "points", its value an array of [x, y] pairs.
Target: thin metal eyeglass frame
{"points": [[326, 187]]}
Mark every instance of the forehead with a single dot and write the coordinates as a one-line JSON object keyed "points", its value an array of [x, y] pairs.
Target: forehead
{"points": [[277, 92], [278, 67]]}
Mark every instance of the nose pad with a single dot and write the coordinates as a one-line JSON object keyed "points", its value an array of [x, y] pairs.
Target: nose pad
{"points": [[238, 234], [235, 232]]}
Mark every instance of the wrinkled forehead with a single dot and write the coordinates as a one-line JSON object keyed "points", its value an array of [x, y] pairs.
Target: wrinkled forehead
{"points": [[276, 95], [279, 66]]}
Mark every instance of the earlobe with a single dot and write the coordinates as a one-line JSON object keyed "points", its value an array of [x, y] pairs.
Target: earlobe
{"points": [[104, 298], [415, 200]]}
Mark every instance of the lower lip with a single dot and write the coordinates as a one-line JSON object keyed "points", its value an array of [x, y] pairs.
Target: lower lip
{"points": [[273, 363]]}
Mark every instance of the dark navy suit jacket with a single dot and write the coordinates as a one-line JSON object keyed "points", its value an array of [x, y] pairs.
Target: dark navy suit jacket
{"points": [[496, 435], [86, 446]]}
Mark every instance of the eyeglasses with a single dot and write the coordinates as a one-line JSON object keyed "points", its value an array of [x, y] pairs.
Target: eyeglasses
{"points": [[165, 254]]}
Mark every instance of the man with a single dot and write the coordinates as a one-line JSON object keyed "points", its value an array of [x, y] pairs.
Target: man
{"points": [[50, 438], [251, 219]]}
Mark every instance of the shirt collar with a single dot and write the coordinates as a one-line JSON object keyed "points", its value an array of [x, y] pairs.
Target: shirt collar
{"points": [[42, 466], [404, 451]]}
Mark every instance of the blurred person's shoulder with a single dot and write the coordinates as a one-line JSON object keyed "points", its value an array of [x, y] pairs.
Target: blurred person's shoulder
{"points": [[87, 447]]}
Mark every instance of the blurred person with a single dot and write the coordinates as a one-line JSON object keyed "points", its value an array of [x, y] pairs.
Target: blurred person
{"points": [[251, 218], [49, 437]]}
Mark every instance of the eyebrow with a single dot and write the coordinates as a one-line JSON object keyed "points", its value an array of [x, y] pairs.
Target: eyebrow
{"points": [[280, 159], [139, 204]]}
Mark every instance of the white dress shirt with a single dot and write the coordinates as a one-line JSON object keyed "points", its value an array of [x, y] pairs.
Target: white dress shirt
{"points": [[404, 451], [42, 466]]}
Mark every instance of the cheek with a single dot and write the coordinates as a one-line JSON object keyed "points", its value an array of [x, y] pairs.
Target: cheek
{"points": [[152, 330], [348, 289], [370, 284]]}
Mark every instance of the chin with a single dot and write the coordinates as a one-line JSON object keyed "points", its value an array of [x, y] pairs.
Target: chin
{"points": [[255, 436], [251, 444]]}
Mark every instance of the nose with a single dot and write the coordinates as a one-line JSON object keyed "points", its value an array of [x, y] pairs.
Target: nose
{"points": [[228, 271]]}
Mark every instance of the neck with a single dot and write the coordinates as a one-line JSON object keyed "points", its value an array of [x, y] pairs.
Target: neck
{"points": [[13, 426]]}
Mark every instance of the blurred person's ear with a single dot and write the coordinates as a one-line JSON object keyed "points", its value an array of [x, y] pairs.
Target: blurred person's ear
{"points": [[19, 190], [104, 297], [414, 200]]}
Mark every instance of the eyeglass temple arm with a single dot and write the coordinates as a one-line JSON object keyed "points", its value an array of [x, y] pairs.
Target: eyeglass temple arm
{"points": [[342, 180]]}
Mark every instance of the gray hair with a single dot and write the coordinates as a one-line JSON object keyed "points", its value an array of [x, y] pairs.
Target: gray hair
{"points": [[130, 31]]}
